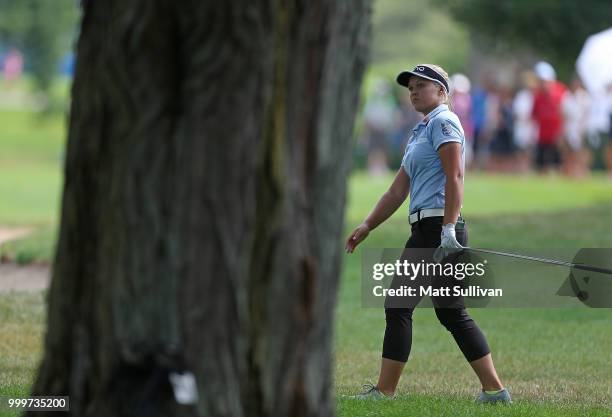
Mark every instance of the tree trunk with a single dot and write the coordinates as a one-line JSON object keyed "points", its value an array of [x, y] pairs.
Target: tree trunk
{"points": [[208, 152]]}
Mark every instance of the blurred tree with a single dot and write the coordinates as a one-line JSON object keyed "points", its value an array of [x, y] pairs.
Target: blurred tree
{"points": [[43, 29], [555, 28], [407, 33], [14, 21], [208, 152]]}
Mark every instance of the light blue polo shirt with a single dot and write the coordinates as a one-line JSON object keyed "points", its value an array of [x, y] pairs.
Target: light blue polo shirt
{"points": [[422, 162]]}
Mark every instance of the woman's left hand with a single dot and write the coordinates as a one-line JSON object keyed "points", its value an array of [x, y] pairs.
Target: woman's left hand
{"points": [[448, 243]]}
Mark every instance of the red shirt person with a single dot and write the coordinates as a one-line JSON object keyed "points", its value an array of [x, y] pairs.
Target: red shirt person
{"points": [[547, 115]]}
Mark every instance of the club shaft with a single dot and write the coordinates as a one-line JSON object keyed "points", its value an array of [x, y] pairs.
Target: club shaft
{"points": [[544, 260]]}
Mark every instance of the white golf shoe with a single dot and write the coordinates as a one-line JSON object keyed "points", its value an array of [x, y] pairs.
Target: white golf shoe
{"points": [[371, 392], [502, 396]]}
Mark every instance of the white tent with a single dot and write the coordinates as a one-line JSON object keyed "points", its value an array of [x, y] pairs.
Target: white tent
{"points": [[594, 63]]}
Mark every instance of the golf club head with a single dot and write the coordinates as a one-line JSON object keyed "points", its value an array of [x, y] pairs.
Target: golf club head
{"points": [[592, 288]]}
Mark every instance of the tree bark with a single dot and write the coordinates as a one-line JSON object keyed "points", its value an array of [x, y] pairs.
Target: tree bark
{"points": [[208, 151]]}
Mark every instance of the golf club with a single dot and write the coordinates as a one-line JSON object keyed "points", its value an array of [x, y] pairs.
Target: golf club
{"points": [[544, 260], [581, 294]]}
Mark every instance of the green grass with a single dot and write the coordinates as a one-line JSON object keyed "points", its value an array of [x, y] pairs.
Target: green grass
{"points": [[28, 136], [557, 358], [31, 154], [487, 194], [31, 164], [453, 406], [22, 327], [30, 193], [557, 212]]}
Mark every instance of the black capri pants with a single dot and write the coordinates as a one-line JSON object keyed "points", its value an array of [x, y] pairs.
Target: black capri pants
{"points": [[398, 332]]}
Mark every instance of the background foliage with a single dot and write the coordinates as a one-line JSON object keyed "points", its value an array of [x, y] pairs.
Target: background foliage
{"points": [[405, 33], [556, 29], [43, 29]]}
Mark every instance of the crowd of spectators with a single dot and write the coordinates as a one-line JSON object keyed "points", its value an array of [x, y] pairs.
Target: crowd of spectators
{"points": [[539, 125]]}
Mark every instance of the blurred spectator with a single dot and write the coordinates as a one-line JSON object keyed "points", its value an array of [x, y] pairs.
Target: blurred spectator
{"points": [[67, 65], [485, 116], [547, 115], [479, 119], [598, 125], [12, 67], [575, 107], [461, 103], [524, 131], [378, 117], [501, 147], [543, 121]]}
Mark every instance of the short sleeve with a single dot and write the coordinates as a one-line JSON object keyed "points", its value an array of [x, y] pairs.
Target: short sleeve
{"points": [[405, 157], [443, 131]]}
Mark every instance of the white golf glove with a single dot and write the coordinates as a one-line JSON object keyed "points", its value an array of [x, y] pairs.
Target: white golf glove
{"points": [[448, 243]]}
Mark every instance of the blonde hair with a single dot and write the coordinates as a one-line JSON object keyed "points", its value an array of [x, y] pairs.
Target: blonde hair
{"points": [[443, 73]]}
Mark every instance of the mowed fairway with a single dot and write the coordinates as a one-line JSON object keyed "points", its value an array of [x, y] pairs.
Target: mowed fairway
{"points": [[31, 165], [556, 362]]}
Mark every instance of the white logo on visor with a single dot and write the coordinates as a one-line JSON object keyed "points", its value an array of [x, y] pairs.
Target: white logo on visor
{"points": [[420, 68]]}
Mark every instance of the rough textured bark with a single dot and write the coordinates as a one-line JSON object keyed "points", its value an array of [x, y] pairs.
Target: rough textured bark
{"points": [[208, 151]]}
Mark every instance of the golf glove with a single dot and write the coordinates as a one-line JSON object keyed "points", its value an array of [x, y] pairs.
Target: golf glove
{"points": [[448, 243]]}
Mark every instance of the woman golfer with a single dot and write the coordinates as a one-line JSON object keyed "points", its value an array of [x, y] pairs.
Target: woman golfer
{"points": [[432, 173]]}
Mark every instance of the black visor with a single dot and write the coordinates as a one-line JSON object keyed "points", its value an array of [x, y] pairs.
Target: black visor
{"points": [[425, 72]]}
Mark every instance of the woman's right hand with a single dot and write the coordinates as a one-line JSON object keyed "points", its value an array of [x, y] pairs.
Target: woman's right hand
{"points": [[359, 234]]}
